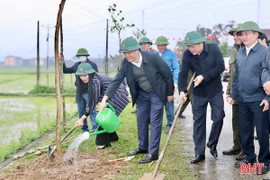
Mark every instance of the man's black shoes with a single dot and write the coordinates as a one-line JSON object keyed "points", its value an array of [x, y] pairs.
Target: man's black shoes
{"points": [[213, 150], [137, 151], [197, 159], [231, 152], [149, 158], [244, 161], [240, 156], [182, 116], [265, 169]]}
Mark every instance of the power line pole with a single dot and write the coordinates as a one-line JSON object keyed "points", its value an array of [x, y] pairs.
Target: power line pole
{"points": [[38, 68], [143, 19], [47, 61], [106, 58]]}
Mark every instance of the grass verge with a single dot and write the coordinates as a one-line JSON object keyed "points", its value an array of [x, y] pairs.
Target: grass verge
{"points": [[174, 165]]}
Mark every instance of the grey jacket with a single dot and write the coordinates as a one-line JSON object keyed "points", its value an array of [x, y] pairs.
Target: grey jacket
{"points": [[247, 83]]}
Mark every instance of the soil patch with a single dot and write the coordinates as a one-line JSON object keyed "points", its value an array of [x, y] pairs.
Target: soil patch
{"points": [[89, 165]]}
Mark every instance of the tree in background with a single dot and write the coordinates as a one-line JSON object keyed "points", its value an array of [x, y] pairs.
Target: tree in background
{"points": [[118, 25], [139, 33], [215, 35]]}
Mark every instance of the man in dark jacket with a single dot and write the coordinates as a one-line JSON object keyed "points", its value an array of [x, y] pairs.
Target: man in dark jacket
{"points": [[206, 60], [151, 85], [253, 102], [82, 102]]}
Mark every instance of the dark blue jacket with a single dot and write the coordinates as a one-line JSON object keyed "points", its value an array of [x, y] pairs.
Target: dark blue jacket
{"points": [[157, 72], [247, 82], [209, 64], [73, 69]]}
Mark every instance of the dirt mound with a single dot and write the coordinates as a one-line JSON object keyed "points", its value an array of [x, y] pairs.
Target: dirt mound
{"points": [[89, 165]]}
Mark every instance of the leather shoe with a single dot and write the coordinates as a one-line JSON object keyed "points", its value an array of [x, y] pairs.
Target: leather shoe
{"points": [[197, 159], [182, 116], [264, 169], [244, 161], [149, 158], [137, 151], [240, 156], [231, 152], [213, 150]]}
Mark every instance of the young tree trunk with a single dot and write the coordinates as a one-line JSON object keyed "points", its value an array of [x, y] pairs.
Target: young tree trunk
{"points": [[62, 78], [57, 84], [120, 58]]}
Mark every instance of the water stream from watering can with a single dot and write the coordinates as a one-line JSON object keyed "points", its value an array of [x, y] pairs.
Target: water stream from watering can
{"points": [[71, 154]]}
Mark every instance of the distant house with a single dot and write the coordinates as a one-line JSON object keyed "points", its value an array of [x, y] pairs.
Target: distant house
{"points": [[10, 61]]}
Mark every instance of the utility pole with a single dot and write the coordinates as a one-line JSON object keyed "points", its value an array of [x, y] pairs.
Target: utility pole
{"points": [[38, 68], [106, 58], [143, 19], [47, 61]]}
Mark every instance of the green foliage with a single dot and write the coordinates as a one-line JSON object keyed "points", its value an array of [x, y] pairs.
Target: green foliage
{"points": [[39, 90], [139, 33], [173, 165], [224, 48], [42, 90], [117, 19]]}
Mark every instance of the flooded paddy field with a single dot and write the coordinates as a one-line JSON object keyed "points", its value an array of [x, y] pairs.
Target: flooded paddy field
{"points": [[23, 119]]}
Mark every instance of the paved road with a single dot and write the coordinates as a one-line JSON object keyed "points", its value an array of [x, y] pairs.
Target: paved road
{"points": [[222, 167]]}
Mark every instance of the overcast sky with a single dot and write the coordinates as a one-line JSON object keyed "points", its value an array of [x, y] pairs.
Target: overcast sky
{"points": [[84, 22]]}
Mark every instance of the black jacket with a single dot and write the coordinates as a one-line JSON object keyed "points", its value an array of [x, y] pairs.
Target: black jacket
{"points": [[157, 72], [74, 68], [209, 64]]}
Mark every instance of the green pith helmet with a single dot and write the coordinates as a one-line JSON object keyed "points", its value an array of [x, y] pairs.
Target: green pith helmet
{"points": [[193, 37], [161, 40], [129, 44], [145, 40], [82, 52], [249, 26], [235, 28], [84, 69]]}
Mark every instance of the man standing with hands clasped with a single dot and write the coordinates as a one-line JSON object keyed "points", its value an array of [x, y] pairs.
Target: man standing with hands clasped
{"points": [[206, 60], [151, 85]]}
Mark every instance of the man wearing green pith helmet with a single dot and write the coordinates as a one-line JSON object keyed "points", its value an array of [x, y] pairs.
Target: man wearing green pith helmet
{"points": [[237, 146], [170, 58], [82, 56], [253, 102], [206, 60], [151, 85]]}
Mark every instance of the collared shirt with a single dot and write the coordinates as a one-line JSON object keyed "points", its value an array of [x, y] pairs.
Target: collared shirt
{"points": [[248, 49], [139, 63]]}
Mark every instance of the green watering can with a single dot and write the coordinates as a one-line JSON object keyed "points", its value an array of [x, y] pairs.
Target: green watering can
{"points": [[108, 120]]}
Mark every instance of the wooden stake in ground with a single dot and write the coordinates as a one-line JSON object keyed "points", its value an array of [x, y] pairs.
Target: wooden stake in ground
{"points": [[155, 175], [57, 84]]}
